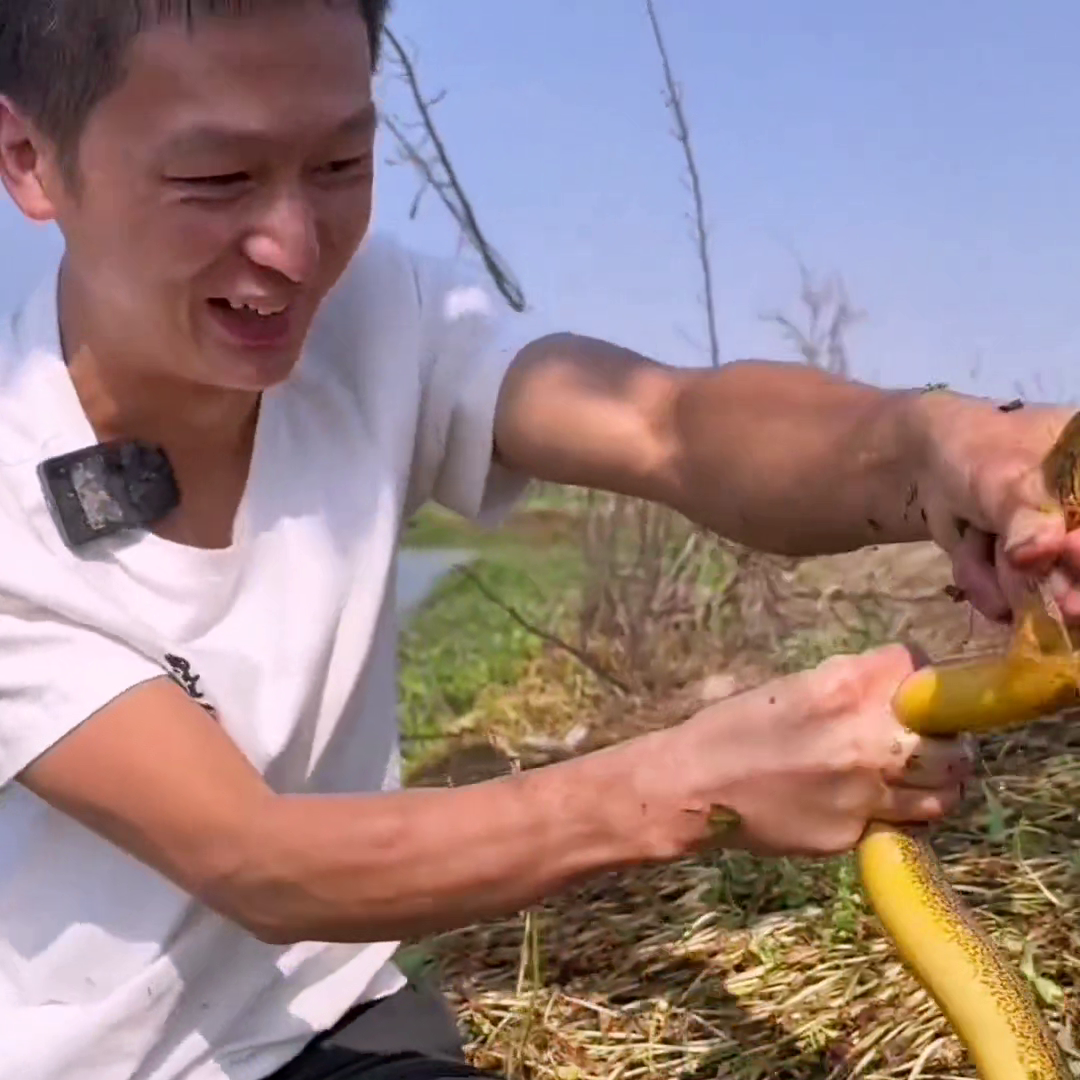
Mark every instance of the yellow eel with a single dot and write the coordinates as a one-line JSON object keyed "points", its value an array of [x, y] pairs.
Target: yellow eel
{"points": [[988, 1003]]}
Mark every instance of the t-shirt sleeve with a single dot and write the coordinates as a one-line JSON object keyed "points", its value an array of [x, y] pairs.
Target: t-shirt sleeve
{"points": [[463, 364], [54, 675]]}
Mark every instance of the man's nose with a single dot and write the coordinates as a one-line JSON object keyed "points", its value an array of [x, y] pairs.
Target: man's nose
{"points": [[285, 238]]}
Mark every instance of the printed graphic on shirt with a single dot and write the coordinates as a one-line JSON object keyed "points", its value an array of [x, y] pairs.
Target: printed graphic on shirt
{"points": [[183, 676]]}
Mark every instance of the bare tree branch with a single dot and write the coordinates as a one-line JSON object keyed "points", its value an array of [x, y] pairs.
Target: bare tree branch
{"points": [[830, 314], [428, 155], [682, 133], [580, 655]]}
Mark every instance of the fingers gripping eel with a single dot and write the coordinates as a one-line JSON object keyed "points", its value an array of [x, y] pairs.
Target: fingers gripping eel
{"points": [[989, 1004]]}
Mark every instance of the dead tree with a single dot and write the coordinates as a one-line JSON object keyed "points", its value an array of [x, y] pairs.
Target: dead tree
{"points": [[673, 99], [830, 314], [650, 596], [420, 145]]}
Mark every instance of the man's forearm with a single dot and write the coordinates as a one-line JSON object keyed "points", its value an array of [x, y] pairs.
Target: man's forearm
{"points": [[787, 458], [154, 774], [399, 865], [783, 457]]}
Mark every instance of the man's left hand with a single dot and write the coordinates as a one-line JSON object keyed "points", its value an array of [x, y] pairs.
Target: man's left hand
{"points": [[989, 506]]}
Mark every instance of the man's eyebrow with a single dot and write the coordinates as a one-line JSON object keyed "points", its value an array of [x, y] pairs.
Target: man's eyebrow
{"points": [[361, 122], [209, 137]]}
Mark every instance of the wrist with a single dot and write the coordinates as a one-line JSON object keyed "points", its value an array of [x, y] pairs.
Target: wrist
{"points": [[920, 414], [934, 426], [665, 812], [592, 804], [631, 794], [907, 424]]}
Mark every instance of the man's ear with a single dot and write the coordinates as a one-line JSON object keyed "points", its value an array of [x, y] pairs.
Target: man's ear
{"points": [[24, 164]]}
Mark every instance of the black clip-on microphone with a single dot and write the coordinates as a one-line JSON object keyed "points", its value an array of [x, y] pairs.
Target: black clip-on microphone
{"points": [[109, 488]]}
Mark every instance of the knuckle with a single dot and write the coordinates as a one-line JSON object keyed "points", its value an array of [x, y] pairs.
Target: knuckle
{"points": [[932, 806], [839, 685], [847, 682], [856, 752], [842, 838], [948, 755], [857, 800], [895, 661], [968, 575], [877, 745]]}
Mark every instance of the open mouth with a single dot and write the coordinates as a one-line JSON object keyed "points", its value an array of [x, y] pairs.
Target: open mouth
{"points": [[252, 322], [264, 309]]}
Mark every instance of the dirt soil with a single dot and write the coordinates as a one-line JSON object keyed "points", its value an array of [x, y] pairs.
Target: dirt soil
{"points": [[742, 969]]}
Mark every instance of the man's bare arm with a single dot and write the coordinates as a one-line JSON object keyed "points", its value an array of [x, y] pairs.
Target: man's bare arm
{"points": [[783, 457], [154, 774], [787, 458]]}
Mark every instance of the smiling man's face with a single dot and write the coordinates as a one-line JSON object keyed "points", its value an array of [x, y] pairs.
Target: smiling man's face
{"points": [[222, 189]]}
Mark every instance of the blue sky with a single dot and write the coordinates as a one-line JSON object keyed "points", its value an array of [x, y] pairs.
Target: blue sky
{"points": [[929, 152]]}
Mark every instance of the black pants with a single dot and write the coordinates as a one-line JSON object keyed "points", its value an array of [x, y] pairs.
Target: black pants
{"points": [[410, 1035]]}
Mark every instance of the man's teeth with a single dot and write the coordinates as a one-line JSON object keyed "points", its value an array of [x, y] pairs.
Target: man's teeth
{"points": [[259, 307]]}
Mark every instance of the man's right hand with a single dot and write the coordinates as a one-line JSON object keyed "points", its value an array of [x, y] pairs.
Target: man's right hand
{"points": [[805, 761]]}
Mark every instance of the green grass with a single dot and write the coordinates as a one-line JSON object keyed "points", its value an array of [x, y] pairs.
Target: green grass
{"points": [[461, 643], [808, 648], [461, 646], [433, 527]]}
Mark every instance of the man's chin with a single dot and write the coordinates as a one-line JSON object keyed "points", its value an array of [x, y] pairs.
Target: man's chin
{"points": [[240, 365], [247, 370], [265, 372]]}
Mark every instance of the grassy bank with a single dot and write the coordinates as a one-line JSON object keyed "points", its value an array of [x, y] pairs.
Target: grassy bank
{"points": [[730, 967], [469, 645]]}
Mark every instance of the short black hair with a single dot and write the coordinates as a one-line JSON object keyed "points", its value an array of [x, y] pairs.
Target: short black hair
{"points": [[60, 58]]}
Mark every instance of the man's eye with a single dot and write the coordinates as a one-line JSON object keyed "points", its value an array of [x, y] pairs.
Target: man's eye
{"points": [[345, 166], [222, 181]]}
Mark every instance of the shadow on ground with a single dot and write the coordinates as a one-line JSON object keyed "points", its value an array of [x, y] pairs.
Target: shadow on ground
{"points": [[745, 969]]}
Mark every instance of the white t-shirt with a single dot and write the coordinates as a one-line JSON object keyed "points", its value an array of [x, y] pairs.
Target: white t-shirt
{"points": [[107, 970]]}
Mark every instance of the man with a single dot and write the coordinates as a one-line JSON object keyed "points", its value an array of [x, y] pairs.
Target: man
{"points": [[204, 861]]}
